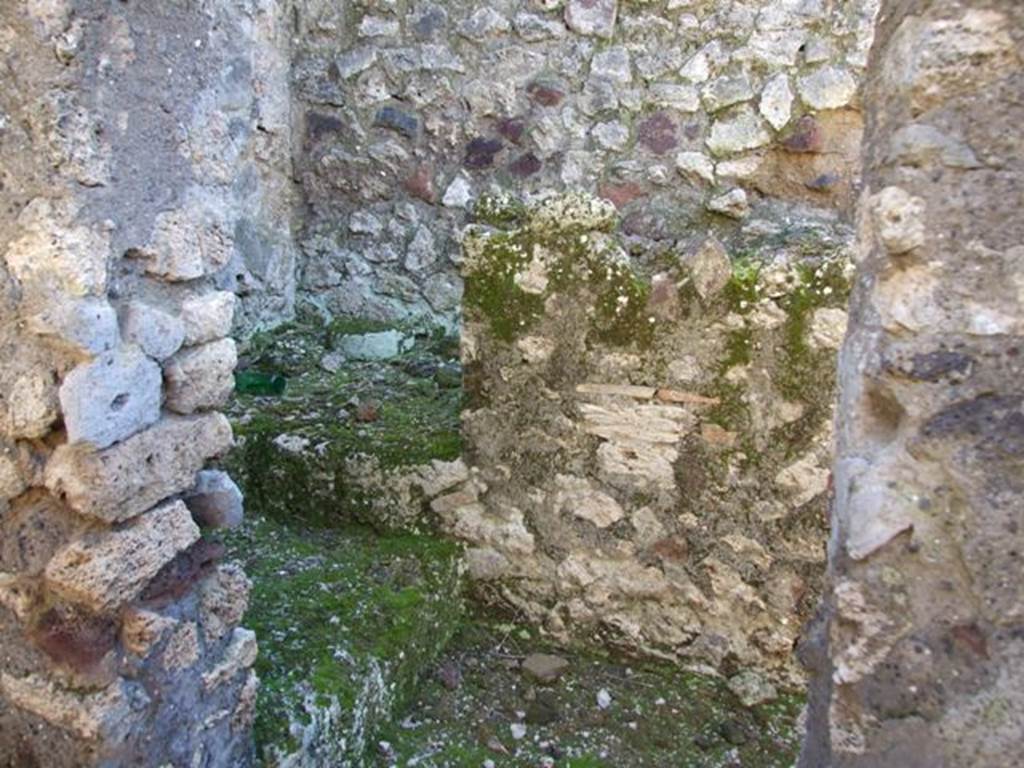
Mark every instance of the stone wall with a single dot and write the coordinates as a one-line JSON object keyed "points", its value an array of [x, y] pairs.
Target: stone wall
{"points": [[685, 113], [920, 659], [650, 443], [144, 160]]}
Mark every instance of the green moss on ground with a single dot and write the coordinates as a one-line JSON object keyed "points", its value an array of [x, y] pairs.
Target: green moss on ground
{"points": [[659, 715], [416, 396], [347, 622]]}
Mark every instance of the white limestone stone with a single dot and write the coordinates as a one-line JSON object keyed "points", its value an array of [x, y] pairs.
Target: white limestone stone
{"points": [[776, 104], [158, 333], [111, 398], [208, 317], [128, 478], [740, 131]]}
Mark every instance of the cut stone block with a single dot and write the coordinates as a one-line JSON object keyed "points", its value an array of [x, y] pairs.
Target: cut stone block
{"points": [[208, 318], [373, 346], [201, 378], [86, 326], [106, 570], [158, 333], [125, 480], [111, 398]]}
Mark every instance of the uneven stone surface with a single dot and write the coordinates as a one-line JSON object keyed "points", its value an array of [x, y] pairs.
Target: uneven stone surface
{"points": [[917, 657], [659, 475], [126, 479], [145, 163], [352, 622], [406, 128], [107, 570], [603, 712], [200, 378], [373, 441], [215, 501], [111, 398]]}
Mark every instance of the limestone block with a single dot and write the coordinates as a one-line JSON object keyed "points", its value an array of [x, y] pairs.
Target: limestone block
{"points": [[740, 131], [200, 378], [82, 327], [208, 317], [12, 478], [32, 405], [483, 23], [613, 64], [695, 165], [103, 571], [106, 715], [628, 464], [111, 398], [440, 476], [828, 327], [576, 496], [828, 87], [776, 105], [506, 532], [804, 479], [710, 268], [156, 332], [458, 194], [223, 600], [373, 346], [54, 256], [752, 689], [723, 92], [592, 17], [125, 480], [733, 204], [533, 27], [899, 219], [535, 349], [240, 655], [187, 243], [664, 424], [215, 501]]}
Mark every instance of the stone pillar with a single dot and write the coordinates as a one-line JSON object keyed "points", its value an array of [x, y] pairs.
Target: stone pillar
{"points": [[134, 139], [924, 625]]}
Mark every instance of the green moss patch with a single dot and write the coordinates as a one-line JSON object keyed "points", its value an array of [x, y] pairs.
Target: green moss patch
{"points": [[347, 622], [572, 263], [658, 715]]}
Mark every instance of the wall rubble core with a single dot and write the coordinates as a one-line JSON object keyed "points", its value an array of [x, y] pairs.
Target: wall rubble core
{"points": [[650, 452], [918, 657], [145, 166]]}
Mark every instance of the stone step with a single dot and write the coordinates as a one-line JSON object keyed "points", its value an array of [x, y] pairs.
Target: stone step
{"points": [[348, 620]]}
